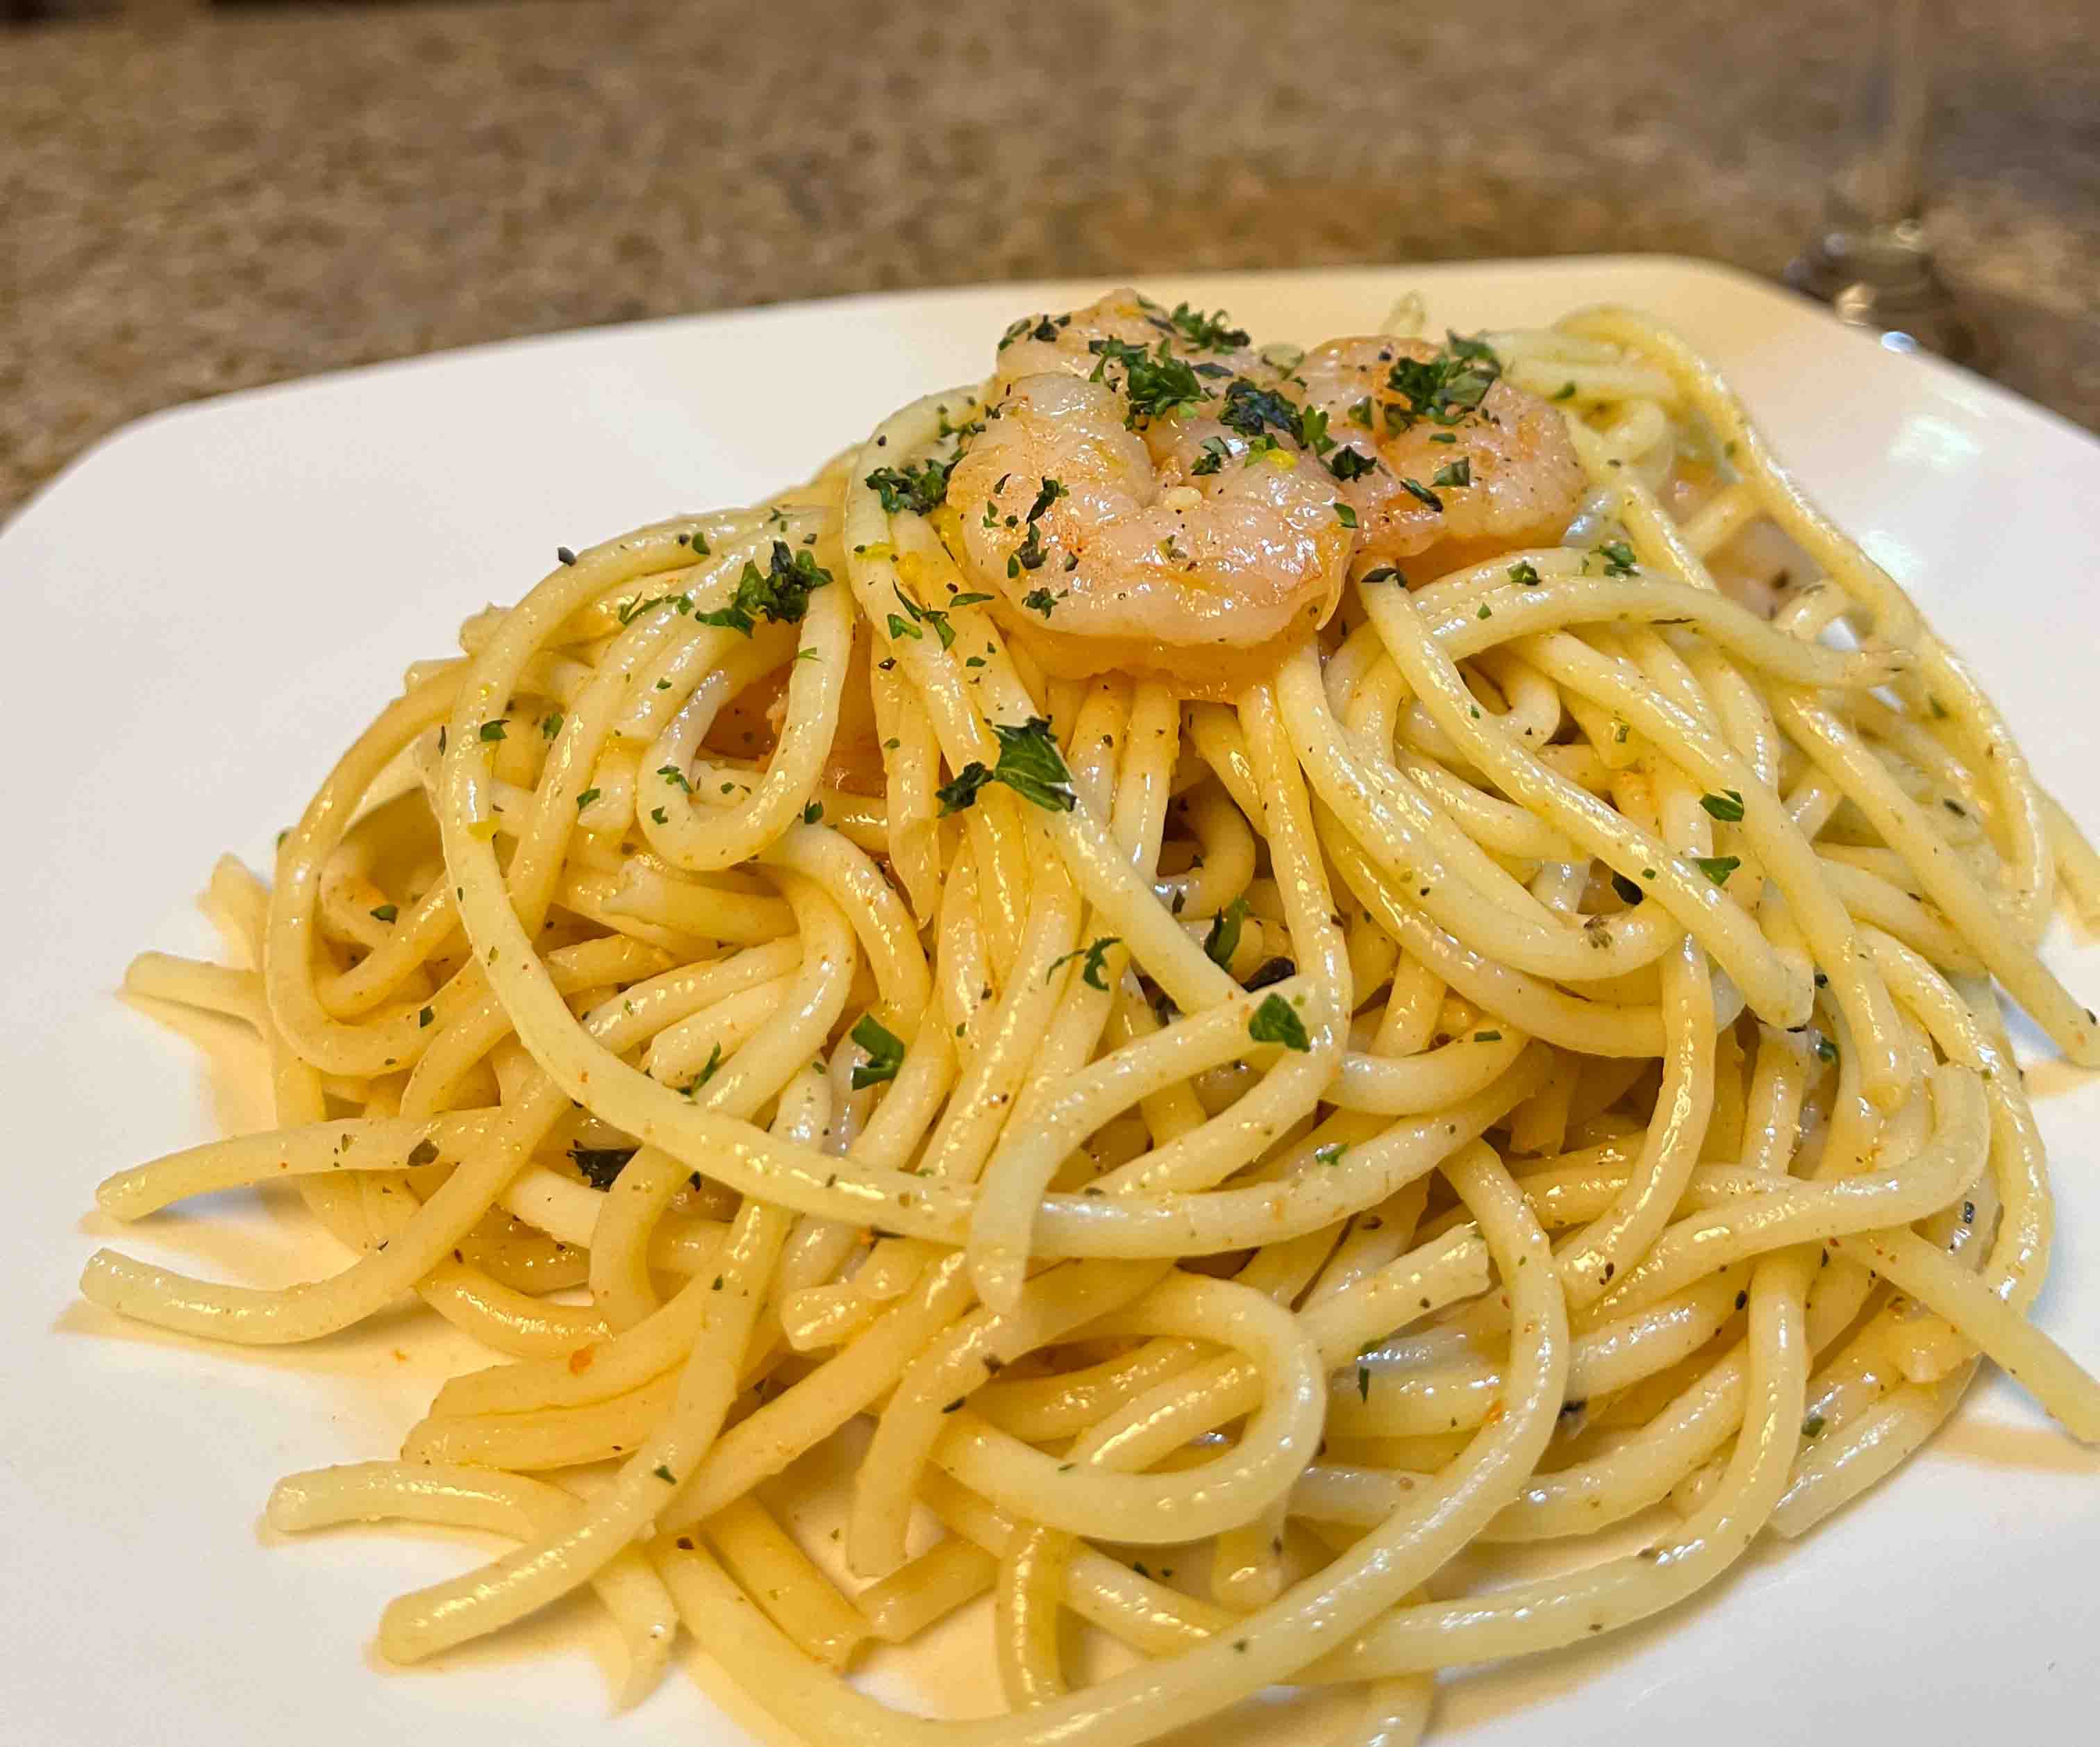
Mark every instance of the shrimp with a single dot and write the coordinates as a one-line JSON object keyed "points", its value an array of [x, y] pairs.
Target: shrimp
{"points": [[1095, 507], [1442, 456]]}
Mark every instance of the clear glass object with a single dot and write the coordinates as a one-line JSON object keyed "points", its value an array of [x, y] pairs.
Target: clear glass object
{"points": [[1871, 258]]}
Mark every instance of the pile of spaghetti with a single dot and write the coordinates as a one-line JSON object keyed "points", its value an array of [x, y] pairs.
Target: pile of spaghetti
{"points": [[1228, 972]]}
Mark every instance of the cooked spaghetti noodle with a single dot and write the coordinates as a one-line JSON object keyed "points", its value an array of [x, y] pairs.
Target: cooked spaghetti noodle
{"points": [[1263, 965]]}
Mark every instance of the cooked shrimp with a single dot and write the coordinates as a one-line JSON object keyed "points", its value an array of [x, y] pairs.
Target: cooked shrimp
{"points": [[1111, 550], [1444, 454]]}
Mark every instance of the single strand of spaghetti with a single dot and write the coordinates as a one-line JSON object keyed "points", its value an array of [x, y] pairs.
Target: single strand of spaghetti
{"points": [[1722, 926], [1902, 824], [911, 767], [2077, 864], [777, 1575], [1025, 1616], [1051, 1305], [497, 1503], [1139, 816], [948, 1577], [191, 983], [1065, 1402], [1224, 852]]}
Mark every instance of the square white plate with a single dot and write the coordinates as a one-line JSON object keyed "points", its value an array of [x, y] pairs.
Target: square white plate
{"points": [[204, 609]]}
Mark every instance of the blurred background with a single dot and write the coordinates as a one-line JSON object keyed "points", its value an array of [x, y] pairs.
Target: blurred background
{"points": [[196, 197]]}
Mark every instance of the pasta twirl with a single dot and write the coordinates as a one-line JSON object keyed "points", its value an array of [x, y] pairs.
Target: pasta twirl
{"points": [[1268, 965]]}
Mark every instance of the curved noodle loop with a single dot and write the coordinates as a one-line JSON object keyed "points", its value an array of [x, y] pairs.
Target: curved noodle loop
{"points": [[1295, 962]]}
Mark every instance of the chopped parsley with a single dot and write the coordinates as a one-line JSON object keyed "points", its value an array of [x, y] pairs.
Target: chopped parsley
{"points": [[1215, 451], [933, 616], [1095, 954], [1349, 462], [1345, 514], [1040, 600], [1207, 333], [1277, 1021], [1445, 388], [884, 1050], [494, 731], [1223, 938], [1727, 804], [550, 724], [1717, 868], [780, 592], [1051, 491], [1619, 558], [1421, 493], [1523, 573], [585, 798], [600, 1164], [384, 911], [918, 490], [1250, 408], [1031, 764], [1157, 386], [1459, 472], [813, 812]]}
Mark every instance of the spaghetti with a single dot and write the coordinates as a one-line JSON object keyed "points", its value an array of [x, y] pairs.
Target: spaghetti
{"points": [[1303, 961]]}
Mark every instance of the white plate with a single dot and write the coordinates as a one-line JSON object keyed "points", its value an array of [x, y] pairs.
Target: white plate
{"points": [[206, 608]]}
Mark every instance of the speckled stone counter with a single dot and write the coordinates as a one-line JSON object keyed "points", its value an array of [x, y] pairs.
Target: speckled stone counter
{"points": [[236, 197]]}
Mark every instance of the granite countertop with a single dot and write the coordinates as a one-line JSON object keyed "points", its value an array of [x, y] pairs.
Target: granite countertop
{"points": [[229, 198]]}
